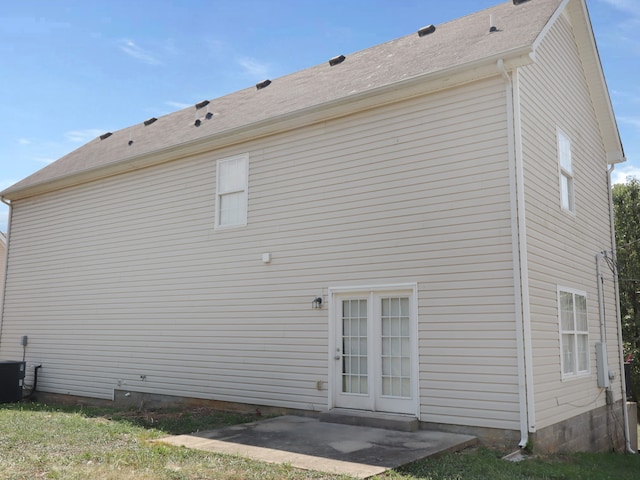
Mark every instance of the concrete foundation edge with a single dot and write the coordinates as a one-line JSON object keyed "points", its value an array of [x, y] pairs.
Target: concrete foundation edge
{"points": [[599, 430]]}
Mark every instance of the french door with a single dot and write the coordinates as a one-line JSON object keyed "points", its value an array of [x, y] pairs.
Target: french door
{"points": [[374, 350]]}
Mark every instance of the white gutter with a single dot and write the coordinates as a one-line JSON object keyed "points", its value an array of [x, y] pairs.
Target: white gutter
{"points": [[520, 273], [6, 264], [623, 386]]}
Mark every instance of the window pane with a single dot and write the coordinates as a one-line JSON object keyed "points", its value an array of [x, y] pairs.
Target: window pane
{"points": [[385, 307], [568, 357], [386, 366], [363, 366], [233, 174], [364, 385], [346, 327], [231, 195], [404, 326], [406, 368], [363, 326], [396, 342], [396, 350], [354, 341], [564, 152], [386, 386], [566, 311], [583, 353], [406, 345], [232, 209], [406, 388], [396, 387], [355, 310], [581, 314], [395, 307], [404, 307], [386, 346], [566, 185], [354, 365]]}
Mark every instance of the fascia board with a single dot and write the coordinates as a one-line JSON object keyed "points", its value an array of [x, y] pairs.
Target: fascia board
{"points": [[405, 89]]}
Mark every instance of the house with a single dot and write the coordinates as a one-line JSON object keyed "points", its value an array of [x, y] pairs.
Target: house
{"points": [[422, 228], [3, 253]]}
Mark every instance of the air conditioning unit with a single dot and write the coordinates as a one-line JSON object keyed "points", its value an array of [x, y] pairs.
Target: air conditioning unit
{"points": [[11, 381]]}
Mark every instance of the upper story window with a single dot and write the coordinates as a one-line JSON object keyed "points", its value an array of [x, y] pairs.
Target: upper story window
{"points": [[231, 191], [566, 172], [574, 332]]}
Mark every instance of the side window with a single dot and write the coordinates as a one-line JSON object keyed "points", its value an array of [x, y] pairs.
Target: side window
{"points": [[574, 332], [231, 191], [566, 172]]}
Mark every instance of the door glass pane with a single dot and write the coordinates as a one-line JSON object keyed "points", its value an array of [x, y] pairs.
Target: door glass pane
{"points": [[406, 387], [354, 342], [396, 356], [395, 307], [363, 347], [386, 367], [386, 347]]}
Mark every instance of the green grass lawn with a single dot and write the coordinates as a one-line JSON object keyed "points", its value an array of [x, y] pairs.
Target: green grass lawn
{"points": [[38, 441]]}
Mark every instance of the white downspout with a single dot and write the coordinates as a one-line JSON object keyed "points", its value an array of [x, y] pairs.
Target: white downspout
{"points": [[521, 284], [6, 264], [603, 332], [623, 386]]}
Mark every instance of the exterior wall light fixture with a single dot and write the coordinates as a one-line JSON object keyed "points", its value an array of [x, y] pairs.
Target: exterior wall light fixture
{"points": [[317, 302]]}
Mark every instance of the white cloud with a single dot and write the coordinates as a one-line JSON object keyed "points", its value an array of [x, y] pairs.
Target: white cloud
{"points": [[45, 160], [29, 25], [24, 141], [135, 51], [216, 47], [83, 136], [6, 183], [625, 97], [627, 6], [178, 105], [254, 67], [633, 121], [621, 175]]}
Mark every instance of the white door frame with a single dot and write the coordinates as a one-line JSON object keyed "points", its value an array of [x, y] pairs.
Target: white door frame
{"points": [[409, 289]]}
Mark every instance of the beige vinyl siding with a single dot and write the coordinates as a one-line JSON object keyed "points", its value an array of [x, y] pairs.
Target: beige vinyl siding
{"points": [[127, 277], [3, 255], [561, 246]]}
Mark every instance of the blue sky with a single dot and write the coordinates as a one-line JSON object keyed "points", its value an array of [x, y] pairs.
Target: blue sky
{"points": [[71, 70]]}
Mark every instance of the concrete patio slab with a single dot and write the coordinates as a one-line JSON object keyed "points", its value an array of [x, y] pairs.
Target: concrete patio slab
{"points": [[309, 444]]}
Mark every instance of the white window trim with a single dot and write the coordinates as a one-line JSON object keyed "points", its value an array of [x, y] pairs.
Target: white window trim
{"points": [[245, 157], [565, 173], [576, 374]]}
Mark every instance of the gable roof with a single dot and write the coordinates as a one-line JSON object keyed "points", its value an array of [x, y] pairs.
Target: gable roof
{"points": [[456, 52]]}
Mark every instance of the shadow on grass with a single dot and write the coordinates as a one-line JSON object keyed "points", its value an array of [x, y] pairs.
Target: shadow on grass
{"points": [[172, 421]]}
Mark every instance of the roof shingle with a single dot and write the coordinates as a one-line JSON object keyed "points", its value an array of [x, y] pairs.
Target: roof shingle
{"points": [[454, 44]]}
